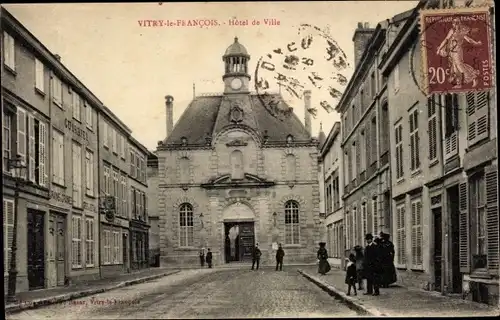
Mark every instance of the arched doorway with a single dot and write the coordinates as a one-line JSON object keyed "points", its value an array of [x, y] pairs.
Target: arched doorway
{"points": [[239, 237]]}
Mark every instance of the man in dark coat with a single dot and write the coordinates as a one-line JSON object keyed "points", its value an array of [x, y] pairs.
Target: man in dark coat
{"points": [[256, 256], [388, 269], [209, 258], [280, 253], [371, 266]]}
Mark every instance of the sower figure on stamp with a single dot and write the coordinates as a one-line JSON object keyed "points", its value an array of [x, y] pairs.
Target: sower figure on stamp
{"points": [[209, 258], [280, 253], [371, 266], [256, 256]]}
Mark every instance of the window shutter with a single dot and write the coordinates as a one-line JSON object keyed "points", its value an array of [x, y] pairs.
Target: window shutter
{"points": [[105, 134], [8, 216], [492, 219], [42, 138], [21, 134], [481, 115], [463, 203], [414, 233], [471, 117], [31, 147], [419, 234]]}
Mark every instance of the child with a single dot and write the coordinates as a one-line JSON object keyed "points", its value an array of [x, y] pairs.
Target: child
{"points": [[351, 277]]}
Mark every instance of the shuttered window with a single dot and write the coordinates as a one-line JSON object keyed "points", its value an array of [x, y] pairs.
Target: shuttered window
{"points": [[106, 247], [39, 75], [364, 220], [398, 135], [105, 129], [401, 234], [57, 157], [463, 204], [432, 128], [77, 106], [451, 125], [42, 146], [31, 148], [375, 216], [8, 231], [353, 161], [9, 51], [21, 136], [416, 234], [414, 141], [477, 117], [89, 242], [373, 141], [76, 232], [57, 94], [364, 152], [6, 139], [492, 218], [355, 226], [349, 230], [77, 175]]}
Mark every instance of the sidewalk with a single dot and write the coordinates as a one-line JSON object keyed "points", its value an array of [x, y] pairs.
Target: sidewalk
{"points": [[37, 298], [397, 301]]}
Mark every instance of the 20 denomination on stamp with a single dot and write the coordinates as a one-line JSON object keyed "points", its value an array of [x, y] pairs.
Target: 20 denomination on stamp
{"points": [[456, 50]]}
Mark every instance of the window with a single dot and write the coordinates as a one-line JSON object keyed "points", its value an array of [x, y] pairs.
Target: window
{"points": [[137, 167], [119, 139], [347, 167], [348, 222], [373, 141], [353, 161], [77, 107], [89, 173], [57, 91], [336, 193], [77, 175], [124, 195], [107, 180], [8, 231], [292, 226], [39, 75], [373, 84], [384, 129], [115, 141], [116, 191], [477, 116], [31, 148], [21, 135], [478, 214], [363, 154], [116, 247], [6, 139], [291, 167], [107, 247], [132, 164], [9, 51], [396, 77], [398, 132], [416, 234], [88, 116], [123, 148], [39, 154], [237, 165], [58, 157], [362, 101], [375, 216], [105, 129], [364, 220], [414, 141], [451, 113], [186, 225], [355, 226], [76, 232], [328, 196], [400, 234], [432, 123], [89, 243], [354, 115], [184, 169], [111, 134]]}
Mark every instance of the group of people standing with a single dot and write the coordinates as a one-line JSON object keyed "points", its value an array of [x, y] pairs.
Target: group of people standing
{"points": [[207, 258], [375, 263]]}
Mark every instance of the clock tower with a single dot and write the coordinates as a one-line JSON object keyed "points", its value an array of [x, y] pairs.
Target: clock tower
{"points": [[236, 78]]}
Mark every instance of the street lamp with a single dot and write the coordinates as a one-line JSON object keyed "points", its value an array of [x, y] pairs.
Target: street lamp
{"points": [[19, 171]]}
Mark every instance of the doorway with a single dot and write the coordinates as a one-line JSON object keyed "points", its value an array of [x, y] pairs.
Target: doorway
{"points": [[239, 241], [456, 275], [437, 219], [36, 250], [60, 250]]}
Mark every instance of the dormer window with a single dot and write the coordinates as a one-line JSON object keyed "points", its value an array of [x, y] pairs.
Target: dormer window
{"points": [[184, 141], [289, 138]]}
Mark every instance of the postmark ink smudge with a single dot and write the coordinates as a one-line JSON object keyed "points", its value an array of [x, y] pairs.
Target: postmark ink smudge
{"points": [[313, 61]]}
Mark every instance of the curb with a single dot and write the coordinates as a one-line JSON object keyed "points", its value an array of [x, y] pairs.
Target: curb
{"points": [[351, 302], [18, 307]]}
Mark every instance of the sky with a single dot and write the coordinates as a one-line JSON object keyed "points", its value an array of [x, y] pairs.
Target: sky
{"points": [[131, 67]]}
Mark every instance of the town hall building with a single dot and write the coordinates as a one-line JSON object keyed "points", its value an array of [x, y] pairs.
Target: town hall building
{"points": [[231, 175]]}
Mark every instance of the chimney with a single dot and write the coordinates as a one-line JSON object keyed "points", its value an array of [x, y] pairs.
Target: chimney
{"points": [[169, 103], [307, 106], [361, 38]]}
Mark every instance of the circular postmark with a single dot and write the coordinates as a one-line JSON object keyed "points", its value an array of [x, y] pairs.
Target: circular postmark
{"points": [[312, 62], [454, 51]]}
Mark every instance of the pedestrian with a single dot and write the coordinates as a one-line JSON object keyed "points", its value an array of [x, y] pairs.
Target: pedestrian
{"points": [[280, 253], [256, 256], [351, 275], [388, 276], [371, 266], [202, 258], [209, 258], [358, 252], [323, 265]]}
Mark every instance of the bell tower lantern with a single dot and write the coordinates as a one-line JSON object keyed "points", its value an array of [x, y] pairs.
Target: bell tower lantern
{"points": [[236, 77]]}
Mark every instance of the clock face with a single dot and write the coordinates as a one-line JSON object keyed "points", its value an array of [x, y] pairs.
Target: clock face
{"points": [[236, 84]]}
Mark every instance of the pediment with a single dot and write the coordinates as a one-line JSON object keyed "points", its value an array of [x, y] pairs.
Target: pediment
{"points": [[249, 180]]}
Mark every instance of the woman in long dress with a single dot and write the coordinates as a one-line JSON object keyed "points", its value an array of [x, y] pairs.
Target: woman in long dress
{"points": [[453, 47], [323, 266], [389, 270]]}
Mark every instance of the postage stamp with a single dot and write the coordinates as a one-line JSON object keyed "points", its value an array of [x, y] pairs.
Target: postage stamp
{"points": [[456, 50]]}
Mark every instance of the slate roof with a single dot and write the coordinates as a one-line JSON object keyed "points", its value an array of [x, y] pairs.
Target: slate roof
{"points": [[236, 49], [208, 115]]}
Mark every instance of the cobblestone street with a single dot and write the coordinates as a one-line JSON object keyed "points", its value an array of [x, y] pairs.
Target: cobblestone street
{"points": [[229, 293]]}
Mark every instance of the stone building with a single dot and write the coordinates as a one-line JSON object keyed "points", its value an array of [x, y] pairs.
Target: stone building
{"points": [[331, 182], [232, 175], [444, 179], [152, 206]]}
